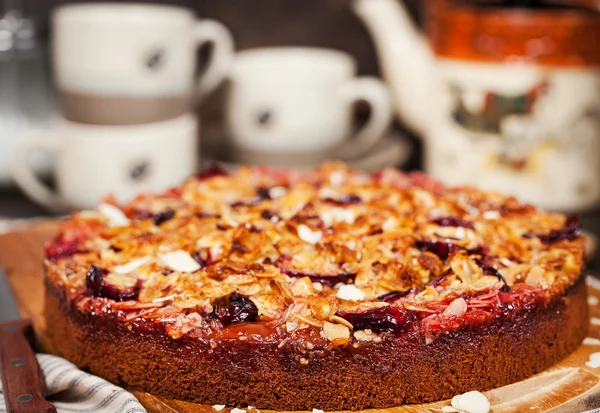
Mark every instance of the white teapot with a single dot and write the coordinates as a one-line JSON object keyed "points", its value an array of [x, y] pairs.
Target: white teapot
{"points": [[506, 98]]}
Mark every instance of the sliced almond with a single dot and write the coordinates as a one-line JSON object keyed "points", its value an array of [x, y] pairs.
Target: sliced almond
{"points": [[180, 261], [115, 217], [335, 332], [303, 287], [308, 235]]}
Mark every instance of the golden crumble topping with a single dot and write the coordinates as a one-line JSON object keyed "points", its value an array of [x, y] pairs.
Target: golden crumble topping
{"points": [[336, 252]]}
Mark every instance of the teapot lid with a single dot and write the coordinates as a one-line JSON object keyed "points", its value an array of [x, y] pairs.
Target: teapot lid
{"points": [[540, 32]]}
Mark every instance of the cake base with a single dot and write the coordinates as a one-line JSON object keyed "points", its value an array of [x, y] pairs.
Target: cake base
{"points": [[396, 371]]}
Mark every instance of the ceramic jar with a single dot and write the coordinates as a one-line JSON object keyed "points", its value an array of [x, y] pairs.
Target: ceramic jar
{"points": [[520, 102]]}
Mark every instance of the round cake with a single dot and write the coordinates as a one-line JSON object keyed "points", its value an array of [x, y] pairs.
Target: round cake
{"points": [[330, 289]]}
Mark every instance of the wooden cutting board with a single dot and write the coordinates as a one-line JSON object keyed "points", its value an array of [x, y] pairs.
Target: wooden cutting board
{"points": [[568, 387]]}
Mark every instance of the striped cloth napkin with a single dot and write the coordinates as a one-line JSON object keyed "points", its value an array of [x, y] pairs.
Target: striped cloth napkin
{"points": [[74, 391]]}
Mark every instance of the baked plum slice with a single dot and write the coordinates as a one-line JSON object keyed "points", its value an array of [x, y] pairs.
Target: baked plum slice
{"points": [[390, 319], [327, 280], [440, 248], [211, 172], [346, 199], [60, 248], [163, 216], [569, 232], [452, 222], [394, 296], [238, 309], [101, 283], [489, 270], [444, 249], [285, 266]]}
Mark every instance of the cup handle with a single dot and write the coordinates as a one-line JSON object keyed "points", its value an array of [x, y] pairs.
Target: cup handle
{"points": [[376, 94], [24, 176], [222, 54]]}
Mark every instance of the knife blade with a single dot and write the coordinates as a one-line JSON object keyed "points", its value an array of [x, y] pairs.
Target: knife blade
{"points": [[22, 381]]}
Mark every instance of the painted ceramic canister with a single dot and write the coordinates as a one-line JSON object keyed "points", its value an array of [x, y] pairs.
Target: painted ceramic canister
{"points": [[508, 98]]}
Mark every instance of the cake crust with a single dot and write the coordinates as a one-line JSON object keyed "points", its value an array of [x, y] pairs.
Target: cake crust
{"points": [[331, 289], [239, 373]]}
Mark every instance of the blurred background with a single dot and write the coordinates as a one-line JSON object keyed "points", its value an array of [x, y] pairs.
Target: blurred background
{"points": [[121, 98]]}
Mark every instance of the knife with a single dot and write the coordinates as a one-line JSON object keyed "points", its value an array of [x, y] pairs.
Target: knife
{"points": [[22, 380]]}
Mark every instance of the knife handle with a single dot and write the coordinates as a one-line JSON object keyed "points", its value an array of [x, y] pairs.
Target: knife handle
{"points": [[22, 380]]}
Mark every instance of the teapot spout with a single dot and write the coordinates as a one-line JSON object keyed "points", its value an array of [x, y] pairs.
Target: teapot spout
{"points": [[406, 60]]}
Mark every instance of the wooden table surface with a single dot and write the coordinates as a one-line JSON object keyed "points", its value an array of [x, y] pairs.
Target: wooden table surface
{"points": [[568, 387]]}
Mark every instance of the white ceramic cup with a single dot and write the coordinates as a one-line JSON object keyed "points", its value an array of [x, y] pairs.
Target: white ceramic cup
{"points": [[94, 161], [298, 101], [127, 63]]}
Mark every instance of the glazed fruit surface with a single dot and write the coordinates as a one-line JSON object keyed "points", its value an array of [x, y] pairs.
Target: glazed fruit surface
{"points": [[315, 260]]}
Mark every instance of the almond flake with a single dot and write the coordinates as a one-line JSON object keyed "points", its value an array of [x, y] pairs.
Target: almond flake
{"points": [[291, 325], [451, 232], [180, 261], [163, 299], [471, 402], [594, 361], [218, 407], [115, 217], [236, 410], [277, 192], [591, 341], [350, 293], [389, 225], [456, 308], [326, 192], [303, 287], [593, 300], [334, 215], [340, 320], [317, 286], [491, 215], [333, 331], [130, 266], [449, 409], [317, 411], [535, 276], [336, 178], [456, 402], [308, 235], [366, 335]]}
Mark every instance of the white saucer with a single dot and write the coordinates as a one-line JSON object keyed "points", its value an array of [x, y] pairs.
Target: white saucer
{"points": [[391, 151]]}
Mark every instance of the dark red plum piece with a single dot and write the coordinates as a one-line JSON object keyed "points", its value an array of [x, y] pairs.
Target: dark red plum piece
{"points": [[98, 287], [440, 280], [239, 309], [262, 194], [452, 222], [489, 270], [61, 248], [327, 280], [202, 258], [443, 249], [440, 248], [346, 199], [390, 319], [211, 172], [269, 215], [142, 214], [163, 216], [569, 232], [396, 295], [284, 264]]}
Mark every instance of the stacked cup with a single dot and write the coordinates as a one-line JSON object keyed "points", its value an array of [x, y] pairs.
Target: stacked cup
{"points": [[125, 75]]}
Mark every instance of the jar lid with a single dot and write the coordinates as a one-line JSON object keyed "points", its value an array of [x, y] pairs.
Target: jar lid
{"points": [[546, 33]]}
